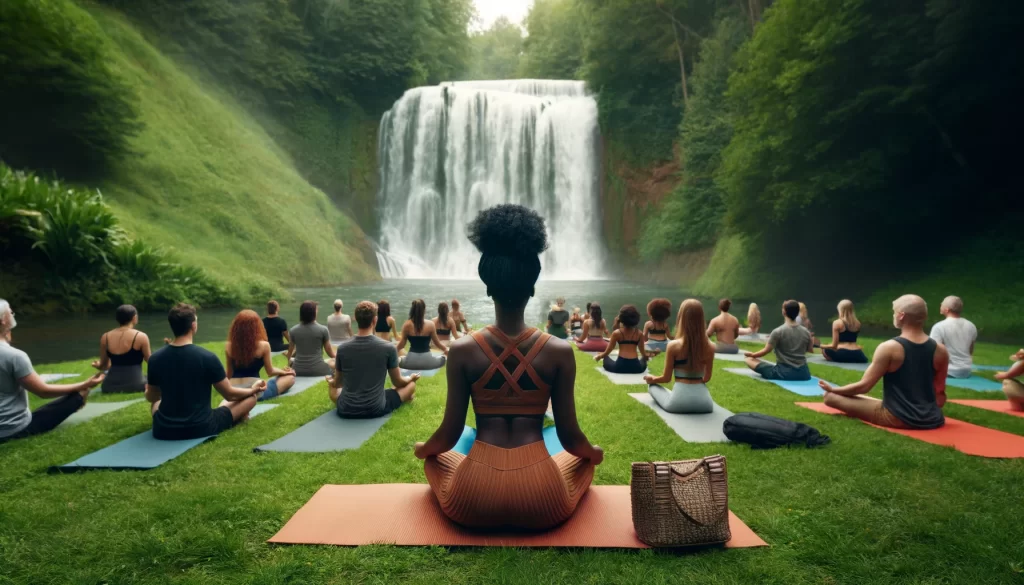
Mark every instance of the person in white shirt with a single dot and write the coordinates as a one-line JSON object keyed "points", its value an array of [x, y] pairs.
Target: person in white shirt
{"points": [[958, 335]]}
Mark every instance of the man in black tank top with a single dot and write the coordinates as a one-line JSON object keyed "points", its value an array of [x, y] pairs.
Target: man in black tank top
{"points": [[913, 367]]}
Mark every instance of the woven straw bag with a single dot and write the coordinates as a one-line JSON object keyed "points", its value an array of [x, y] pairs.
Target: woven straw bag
{"points": [[681, 503]]}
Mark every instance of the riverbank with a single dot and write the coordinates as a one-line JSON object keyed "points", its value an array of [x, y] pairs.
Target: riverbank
{"points": [[819, 510]]}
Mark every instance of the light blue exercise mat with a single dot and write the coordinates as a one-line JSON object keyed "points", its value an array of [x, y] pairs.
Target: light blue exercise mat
{"points": [[817, 359], [693, 428], [422, 373], [803, 388], [302, 383], [51, 378], [550, 435], [327, 432], [976, 383], [94, 409], [624, 379], [141, 451]]}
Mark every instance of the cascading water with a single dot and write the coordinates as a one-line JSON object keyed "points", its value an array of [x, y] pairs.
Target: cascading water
{"points": [[447, 152]]}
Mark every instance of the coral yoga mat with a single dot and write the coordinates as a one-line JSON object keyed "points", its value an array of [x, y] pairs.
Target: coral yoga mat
{"points": [[407, 514], [962, 436], [993, 405]]}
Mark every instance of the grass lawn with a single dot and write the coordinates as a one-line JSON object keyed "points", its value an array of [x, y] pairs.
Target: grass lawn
{"points": [[872, 507]]}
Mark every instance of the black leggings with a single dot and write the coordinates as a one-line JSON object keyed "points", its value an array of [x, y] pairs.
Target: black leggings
{"points": [[623, 365], [49, 416]]}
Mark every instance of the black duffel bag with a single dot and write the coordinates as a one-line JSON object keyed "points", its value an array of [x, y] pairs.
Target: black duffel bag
{"points": [[768, 432]]}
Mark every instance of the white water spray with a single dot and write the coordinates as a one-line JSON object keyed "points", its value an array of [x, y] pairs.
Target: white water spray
{"points": [[447, 152]]}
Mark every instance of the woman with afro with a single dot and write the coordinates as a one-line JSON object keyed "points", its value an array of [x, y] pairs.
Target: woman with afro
{"points": [[509, 371]]}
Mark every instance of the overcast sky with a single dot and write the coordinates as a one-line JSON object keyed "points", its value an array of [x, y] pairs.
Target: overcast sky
{"points": [[490, 10]]}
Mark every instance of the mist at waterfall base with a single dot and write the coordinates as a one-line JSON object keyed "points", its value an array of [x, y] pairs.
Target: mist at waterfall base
{"points": [[447, 152]]}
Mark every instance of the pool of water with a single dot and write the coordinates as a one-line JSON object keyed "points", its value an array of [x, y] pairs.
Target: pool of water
{"points": [[69, 337]]}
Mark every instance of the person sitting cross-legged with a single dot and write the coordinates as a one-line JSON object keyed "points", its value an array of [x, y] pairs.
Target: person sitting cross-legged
{"points": [[958, 335], [632, 358], [913, 372], [791, 342], [510, 371], [845, 329], [690, 359], [310, 340], [1012, 386], [725, 329], [247, 351], [357, 387], [180, 377], [17, 378], [419, 333]]}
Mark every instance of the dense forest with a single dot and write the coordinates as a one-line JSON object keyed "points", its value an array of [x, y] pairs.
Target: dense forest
{"points": [[875, 137]]}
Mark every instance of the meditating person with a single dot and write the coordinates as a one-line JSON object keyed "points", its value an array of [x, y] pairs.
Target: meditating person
{"points": [[419, 333], [725, 329], [459, 317], [958, 335], [557, 318], [845, 329], [805, 321], [357, 387], [444, 325], [576, 322], [509, 479], [18, 378], [632, 358], [339, 324], [913, 372], [791, 343], [1012, 386], [656, 329], [753, 321], [276, 328], [690, 358], [310, 340], [385, 327], [178, 389], [247, 351], [594, 331], [122, 351]]}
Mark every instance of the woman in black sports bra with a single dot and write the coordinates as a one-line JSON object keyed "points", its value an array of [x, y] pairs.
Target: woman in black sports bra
{"points": [[122, 352], [419, 333], [656, 330], [632, 357], [445, 326], [385, 322], [845, 330]]}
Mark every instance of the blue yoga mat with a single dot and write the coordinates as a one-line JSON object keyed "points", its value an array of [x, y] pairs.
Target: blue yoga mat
{"points": [[422, 373], [975, 383], [469, 435], [141, 451], [803, 388]]}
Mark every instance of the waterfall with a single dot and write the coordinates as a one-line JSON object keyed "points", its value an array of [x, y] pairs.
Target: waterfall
{"points": [[447, 152]]}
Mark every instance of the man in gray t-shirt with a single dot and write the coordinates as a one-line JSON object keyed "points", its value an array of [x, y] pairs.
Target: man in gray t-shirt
{"points": [[361, 366], [791, 342], [309, 341]]}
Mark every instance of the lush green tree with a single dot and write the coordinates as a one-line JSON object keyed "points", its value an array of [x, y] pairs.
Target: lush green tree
{"points": [[496, 51], [692, 215], [553, 48], [62, 106]]}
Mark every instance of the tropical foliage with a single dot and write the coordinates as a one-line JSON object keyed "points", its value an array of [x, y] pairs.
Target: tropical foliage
{"points": [[67, 242]]}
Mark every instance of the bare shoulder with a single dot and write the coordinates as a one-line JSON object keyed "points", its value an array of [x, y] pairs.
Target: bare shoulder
{"points": [[890, 348], [558, 347]]}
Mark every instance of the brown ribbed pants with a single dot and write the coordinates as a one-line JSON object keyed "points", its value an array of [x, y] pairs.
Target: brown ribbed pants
{"points": [[519, 488]]}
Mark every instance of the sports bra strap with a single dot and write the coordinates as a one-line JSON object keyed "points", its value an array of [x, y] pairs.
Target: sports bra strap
{"points": [[510, 396]]}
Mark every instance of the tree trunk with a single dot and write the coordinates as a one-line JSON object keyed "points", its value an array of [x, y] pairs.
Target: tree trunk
{"points": [[682, 65]]}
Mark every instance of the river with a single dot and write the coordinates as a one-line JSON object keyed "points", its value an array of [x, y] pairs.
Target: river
{"points": [[68, 337]]}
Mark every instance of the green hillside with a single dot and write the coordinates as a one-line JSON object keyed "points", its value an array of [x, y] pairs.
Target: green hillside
{"points": [[209, 183]]}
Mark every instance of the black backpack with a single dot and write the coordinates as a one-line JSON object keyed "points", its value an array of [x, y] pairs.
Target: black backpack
{"points": [[768, 432]]}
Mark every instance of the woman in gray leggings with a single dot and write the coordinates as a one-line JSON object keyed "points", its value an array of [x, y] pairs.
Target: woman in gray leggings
{"points": [[689, 358], [419, 332]]}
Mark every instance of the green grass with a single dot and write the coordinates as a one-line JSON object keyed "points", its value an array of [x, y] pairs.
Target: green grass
{"points": [[872, 507], [209, 183]]}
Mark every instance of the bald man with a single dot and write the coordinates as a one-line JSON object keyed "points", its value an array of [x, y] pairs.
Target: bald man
{"points": [[913, 368]]}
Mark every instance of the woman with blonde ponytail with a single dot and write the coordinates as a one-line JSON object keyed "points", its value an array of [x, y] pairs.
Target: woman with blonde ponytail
{"points": [[845, 329], [689, 358]]}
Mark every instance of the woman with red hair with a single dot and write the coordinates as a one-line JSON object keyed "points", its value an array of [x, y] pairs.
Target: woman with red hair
{"points": [[248, 351]]}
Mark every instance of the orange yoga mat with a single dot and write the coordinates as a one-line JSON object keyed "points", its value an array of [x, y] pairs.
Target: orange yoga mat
{"points": [[993, 405], [962, 436], [407, 514]]}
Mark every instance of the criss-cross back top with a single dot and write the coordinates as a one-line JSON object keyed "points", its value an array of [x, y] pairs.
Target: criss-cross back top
{"points": [[510, 385]]}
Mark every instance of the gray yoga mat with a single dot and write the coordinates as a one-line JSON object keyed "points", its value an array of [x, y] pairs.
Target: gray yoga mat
{"points": [[302, 383], [51, 378], [624, 379], [141, 451], [730, 357], [94, 409], [422, 373], [693, 428], [801, 387], [327, 432], [821, 361]]}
